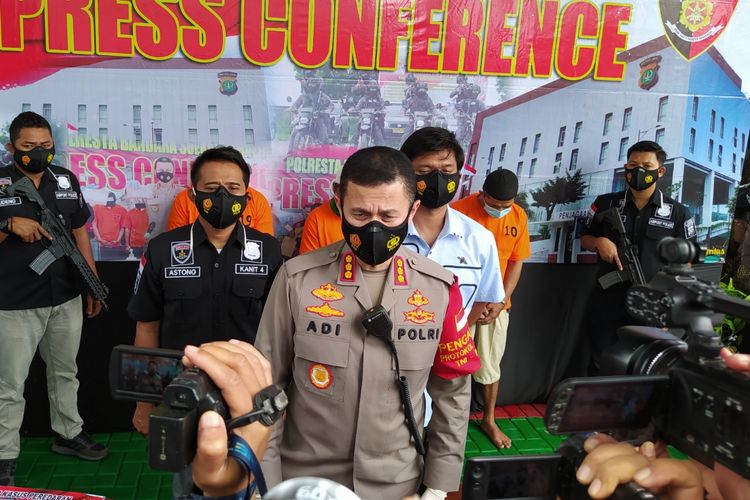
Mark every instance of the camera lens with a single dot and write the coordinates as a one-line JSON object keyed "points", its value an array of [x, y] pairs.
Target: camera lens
{"points": [[657, 357], [679, 251], [642, 351]]}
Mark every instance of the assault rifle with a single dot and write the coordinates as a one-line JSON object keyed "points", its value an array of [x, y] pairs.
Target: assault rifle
{"points": [[626, 251], [62, 244]]}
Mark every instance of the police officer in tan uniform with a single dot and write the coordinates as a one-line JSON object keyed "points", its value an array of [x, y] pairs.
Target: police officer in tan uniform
{"points": [[345, 420]]}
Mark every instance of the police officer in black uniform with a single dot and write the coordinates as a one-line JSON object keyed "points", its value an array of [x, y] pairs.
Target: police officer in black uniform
{"points": [[648, 216], [40, 311], [206, 281]]}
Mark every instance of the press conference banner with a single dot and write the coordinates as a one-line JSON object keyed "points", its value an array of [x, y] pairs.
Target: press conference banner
{"points": [[554, 90]]}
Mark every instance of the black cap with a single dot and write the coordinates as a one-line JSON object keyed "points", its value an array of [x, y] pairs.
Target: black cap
{"points": [[501, 184]]}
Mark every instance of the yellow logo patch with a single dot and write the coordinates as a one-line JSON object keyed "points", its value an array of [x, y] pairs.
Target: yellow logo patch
{"points": [[419, 316], [417, 299], [393, 242], [320, 376], [325, 311], [327, 292], [696, 14]]}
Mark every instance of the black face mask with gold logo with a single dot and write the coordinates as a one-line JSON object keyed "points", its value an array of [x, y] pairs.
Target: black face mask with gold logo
{"points": [[35, 160], [639, 178], [374, 243], [220, 208], [436, 188]]}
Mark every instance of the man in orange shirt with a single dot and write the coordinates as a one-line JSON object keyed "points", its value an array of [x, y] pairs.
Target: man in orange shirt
{"points": [[136, 226], [108, 228], [257, 212], [494, 208], [322, 227], [323, 224]]}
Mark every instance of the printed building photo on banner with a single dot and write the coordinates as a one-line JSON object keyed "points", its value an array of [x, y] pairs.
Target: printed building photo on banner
{"points": [[572, 144], [557, 93], [129, 129]]}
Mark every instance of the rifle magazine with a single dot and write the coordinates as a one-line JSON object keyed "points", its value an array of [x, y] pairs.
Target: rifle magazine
{"points": [[42, 262]]}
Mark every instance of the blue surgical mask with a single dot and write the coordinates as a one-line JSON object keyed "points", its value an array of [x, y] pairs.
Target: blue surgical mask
{"points": [[495, 213]]}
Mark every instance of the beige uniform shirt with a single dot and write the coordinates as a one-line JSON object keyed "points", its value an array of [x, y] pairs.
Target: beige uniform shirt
{"points": [[345, 421]]}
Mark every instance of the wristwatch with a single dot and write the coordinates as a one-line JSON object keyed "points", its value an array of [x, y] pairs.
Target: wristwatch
{"points": [[4, 225]]}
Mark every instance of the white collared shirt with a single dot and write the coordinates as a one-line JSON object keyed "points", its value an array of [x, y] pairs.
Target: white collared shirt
{"points": [[468, 250]]}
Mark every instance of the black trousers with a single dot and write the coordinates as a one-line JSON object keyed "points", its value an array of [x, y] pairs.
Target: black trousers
{"points": [[606, 313]]}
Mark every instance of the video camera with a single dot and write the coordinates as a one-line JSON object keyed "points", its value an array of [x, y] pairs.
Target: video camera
{"points": [[183, 395], [677, 390]]}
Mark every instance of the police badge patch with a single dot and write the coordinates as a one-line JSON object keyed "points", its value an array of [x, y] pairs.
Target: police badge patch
{"points": [[182, 253], [63, 181], [664, 211], [253, 251], [4, 183]]}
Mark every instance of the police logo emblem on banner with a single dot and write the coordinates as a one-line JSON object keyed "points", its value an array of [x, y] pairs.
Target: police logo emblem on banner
{"points": [[182, 253], [228, 82], [649, 72], [253, 251], [692, 26]]}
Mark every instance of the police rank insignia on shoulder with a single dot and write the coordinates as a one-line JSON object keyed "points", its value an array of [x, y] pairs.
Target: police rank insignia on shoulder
{"points": [[400, 277]]}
